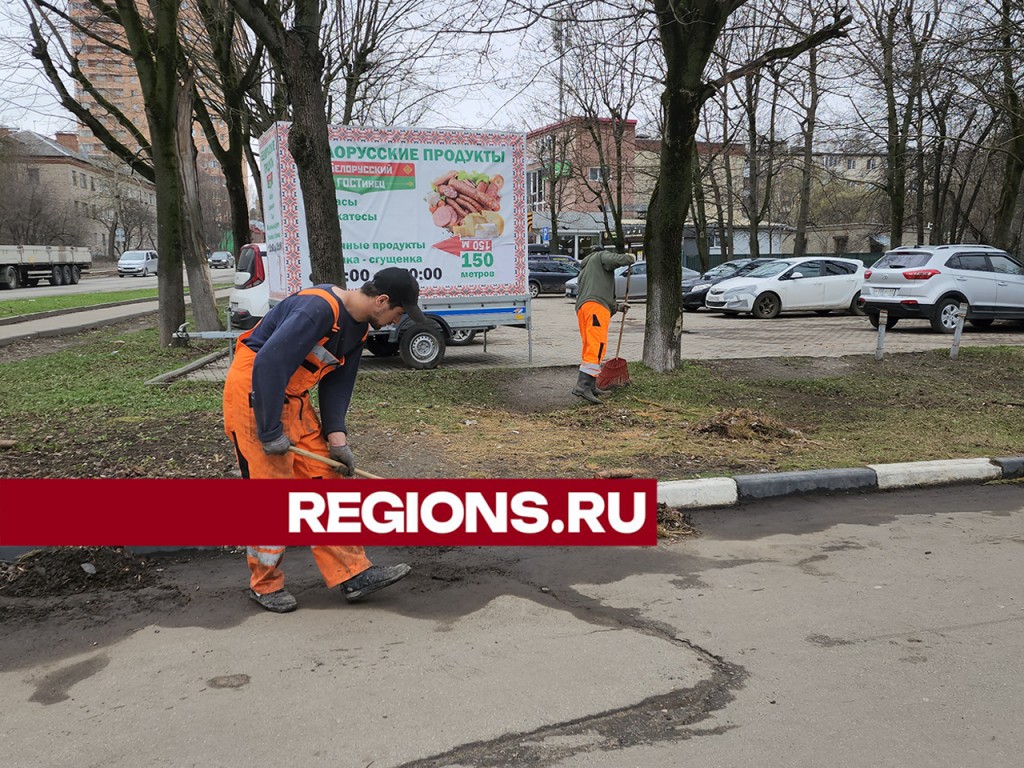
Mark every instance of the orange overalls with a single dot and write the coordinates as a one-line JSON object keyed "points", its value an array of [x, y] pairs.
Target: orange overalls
{"points": [[302, 426], [594, 318]]}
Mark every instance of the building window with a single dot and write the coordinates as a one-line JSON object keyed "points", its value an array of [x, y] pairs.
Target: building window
{"points": [[33, 175], [74, 178], [597, 173], [851, 164], [831, 161], [872, 163]]}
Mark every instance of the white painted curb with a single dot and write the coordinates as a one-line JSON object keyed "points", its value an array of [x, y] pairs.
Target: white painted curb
{"points": [[707, 492], [935, 472]]}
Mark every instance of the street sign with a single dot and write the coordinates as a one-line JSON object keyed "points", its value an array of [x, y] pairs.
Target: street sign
{"points": [[545, 234]]}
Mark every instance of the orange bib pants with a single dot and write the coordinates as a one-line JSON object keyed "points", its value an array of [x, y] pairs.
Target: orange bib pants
{"points": [[594, 319], [302, 427]]}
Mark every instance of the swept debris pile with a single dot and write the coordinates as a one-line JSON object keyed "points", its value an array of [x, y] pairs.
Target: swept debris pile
{"points": [[674, 523], [744, 424]]}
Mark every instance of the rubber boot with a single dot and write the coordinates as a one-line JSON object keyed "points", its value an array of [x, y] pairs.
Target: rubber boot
{"points": [[584, 388], [596, 389]]}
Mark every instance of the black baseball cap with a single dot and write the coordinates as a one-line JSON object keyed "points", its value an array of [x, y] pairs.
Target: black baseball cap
{"points": [[403, 290]]}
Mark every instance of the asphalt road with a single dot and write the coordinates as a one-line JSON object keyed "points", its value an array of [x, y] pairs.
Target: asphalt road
{"points": [[103, 281], [865, 630]]}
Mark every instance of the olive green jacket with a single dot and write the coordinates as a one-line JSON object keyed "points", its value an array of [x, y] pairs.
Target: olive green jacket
{"points": [[596, 281]]}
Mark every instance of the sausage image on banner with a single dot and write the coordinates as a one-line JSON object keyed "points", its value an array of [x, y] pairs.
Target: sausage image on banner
{"points": [[466, 203]]}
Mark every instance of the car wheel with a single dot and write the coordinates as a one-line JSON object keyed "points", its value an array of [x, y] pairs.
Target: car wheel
{"points": [[379, 346], [982, 322], [944, 318], [766, 306], [460, 337], [145, 271], [534, 290], [890, 321], [422, 346], [855, 308]]}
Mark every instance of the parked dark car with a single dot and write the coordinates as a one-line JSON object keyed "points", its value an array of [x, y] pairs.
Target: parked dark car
{"points": [[548, 275], [695, 290]]}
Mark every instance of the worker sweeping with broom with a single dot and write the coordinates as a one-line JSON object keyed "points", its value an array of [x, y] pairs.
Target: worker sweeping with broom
{"points": [[595, 305]]}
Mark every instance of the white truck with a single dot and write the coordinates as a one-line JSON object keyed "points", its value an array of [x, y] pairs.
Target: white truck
{"points": [[26, 265], [448, 205]]}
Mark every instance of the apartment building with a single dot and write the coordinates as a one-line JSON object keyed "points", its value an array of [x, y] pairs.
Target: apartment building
{"points": [[99, 204], [114, 77]]}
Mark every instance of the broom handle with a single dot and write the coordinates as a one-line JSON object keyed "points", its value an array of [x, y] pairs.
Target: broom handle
{"points": [[622, 325], [331, 462]]}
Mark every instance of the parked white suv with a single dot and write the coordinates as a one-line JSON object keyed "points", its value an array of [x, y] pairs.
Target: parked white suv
{"points": [[929, 282], [250, 300], [795, 284]]}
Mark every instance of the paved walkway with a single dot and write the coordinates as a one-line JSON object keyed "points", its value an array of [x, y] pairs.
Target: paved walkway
{"points": [[706, 336], [556, 340]]}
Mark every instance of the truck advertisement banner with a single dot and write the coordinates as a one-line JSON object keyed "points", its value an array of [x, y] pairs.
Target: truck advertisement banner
{"points": [[448, 205]]}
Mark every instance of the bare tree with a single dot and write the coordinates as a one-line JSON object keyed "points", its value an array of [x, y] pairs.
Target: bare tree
{"points": [[152, 43], [688, 31]]}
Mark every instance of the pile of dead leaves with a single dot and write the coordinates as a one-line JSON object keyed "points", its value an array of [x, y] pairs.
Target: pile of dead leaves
{"points": [[674, 523], [744, 424], [68, 570]]}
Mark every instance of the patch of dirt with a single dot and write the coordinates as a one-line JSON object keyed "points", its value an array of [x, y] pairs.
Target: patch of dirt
{"points": [[70, 570], [785, 368], [744, 424]]}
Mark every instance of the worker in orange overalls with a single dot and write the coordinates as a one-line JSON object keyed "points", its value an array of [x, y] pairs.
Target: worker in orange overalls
{"points": [[312, 338], [595, 304]]}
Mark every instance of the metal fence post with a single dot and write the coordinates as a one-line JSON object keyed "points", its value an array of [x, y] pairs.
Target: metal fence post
{"points": [[961, 315], [883, 319]]}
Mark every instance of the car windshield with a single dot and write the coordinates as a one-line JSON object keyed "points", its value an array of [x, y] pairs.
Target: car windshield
{"points": [[723, 270], [133, 256], [771, 269]]}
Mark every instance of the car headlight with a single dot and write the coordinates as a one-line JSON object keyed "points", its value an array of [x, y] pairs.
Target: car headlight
{"points": [[701, 287]]}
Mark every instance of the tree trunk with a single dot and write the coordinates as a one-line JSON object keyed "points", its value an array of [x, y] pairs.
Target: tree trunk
{"points": [[806, 172], [1013, 170], [200, 289], [310, 147]]}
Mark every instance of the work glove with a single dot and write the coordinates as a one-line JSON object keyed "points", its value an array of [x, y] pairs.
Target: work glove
{"points": [[343, 454], [623, 307], [278, 446]]}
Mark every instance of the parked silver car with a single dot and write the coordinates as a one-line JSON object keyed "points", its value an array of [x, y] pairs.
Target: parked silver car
{"points": [[637, 281], [930, 283]]}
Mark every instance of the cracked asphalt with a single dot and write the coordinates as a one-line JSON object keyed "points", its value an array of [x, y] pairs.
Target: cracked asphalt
{"points": [[872, 630]]}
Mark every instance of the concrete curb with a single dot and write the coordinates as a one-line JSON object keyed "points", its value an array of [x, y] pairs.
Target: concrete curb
{"points": [[732, 491]]}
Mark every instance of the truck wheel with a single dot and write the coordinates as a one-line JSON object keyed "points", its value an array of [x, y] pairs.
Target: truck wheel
{"points": [[11, 277], [56, 276], [32, 282], [66, 269], [76, 274], [422, 346], [379, 346]]}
